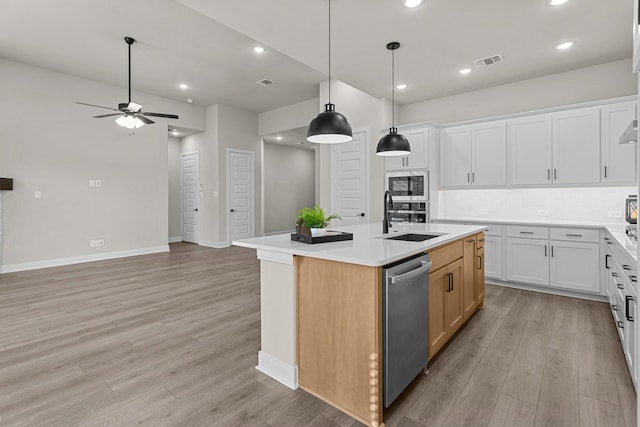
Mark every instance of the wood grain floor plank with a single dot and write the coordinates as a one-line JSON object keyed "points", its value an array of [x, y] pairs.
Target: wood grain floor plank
{"points": [[525, 374], [510, 412], [559, 404], [595, 413]]}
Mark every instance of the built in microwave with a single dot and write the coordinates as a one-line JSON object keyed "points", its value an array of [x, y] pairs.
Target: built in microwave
{"points": [[408, 185]]}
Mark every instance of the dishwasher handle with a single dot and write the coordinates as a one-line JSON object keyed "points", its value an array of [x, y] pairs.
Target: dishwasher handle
{"points": [[426, 266]]}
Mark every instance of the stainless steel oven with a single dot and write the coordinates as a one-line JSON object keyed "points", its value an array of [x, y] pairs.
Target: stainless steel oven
{"points": [[416, 212], [408, 185]]}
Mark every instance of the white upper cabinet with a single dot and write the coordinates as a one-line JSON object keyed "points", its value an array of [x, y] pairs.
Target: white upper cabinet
{"points": [[489, 154], [618, 160], [419, 157], [474, 155], [531, 146], [455, 157], [576, 146]]}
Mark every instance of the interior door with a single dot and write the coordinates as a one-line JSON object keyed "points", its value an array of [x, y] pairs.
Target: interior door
{"points": [[240, 194], [350, 192], [190, 192]]}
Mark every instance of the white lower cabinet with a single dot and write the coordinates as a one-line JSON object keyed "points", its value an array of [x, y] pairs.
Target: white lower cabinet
{"points": [[528, 261], [493, 257], [575, 266], [631, 345]]}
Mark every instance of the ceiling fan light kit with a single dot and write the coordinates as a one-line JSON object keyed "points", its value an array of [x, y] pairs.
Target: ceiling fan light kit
{"points": [[329, 127], [393, 143], [130, 114]]}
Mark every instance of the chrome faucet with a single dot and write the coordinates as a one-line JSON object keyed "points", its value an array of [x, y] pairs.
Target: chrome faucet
{"points": [[386, 223]]}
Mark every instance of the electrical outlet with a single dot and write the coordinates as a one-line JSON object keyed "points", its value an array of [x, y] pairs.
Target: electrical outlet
{"points": [[38, 195], [92, 183], [482, 211], [615, 214], [98, 183], [543, 212], [92, 243], [100, 243]]}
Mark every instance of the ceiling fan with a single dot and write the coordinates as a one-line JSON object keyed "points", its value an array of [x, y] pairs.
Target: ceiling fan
{"points": [[130, 114]]}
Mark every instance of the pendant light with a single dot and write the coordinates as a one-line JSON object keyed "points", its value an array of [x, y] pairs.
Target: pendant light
{"points": [[329, 127], [393, 143]]}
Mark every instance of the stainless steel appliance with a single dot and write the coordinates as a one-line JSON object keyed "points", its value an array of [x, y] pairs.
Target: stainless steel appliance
{"points": [[416, 212], [405, 309], [407, 186]]}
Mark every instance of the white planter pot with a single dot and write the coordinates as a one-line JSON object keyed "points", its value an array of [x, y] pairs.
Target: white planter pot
{"points": [[316, 232]]}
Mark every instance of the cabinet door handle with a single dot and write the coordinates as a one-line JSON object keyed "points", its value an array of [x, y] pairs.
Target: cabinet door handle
{"points": [[407, 161], [470, 240], [451, 275], [574, 235], [526, 232], [551, 251], [614, 307], [555, 174], [620, 285], [605, 171], [479, 262], [473, 177], [626, 267], [545, 251], [606, 262], [468, 177], [620, 324], [548, 174], [627, 299]]}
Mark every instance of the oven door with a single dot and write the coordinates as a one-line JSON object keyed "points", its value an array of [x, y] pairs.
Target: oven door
{"points": [[408, 186]]}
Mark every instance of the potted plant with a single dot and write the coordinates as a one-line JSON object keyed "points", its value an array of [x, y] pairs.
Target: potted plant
{"points": [[312, 222]]}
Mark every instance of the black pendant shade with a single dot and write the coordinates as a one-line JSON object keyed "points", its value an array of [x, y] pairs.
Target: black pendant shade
{"points": [[393, 144], [329, 127]]}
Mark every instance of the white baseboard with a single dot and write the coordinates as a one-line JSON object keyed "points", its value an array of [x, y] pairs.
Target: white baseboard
{"points": [[278, 370], [552, 291], [11, 268], [216, 245], [175, 239]]}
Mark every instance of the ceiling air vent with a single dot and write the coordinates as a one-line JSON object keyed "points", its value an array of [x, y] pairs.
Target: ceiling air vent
{"points": [[489, 60], [264, 82]]}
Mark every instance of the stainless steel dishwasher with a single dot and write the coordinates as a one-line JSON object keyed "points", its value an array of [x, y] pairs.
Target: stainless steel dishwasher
{"points": [[405, 309]]}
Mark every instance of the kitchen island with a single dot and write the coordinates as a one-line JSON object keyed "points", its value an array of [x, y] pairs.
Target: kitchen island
{"points": [[321, 306]]}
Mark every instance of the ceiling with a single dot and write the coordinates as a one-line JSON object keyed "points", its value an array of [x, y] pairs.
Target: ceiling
{"points": [[292, 138], [208, 44]]}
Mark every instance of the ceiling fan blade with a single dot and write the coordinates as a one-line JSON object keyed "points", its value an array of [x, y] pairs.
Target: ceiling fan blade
{"points": [[107, 115], [144, 119], [166, 116], [99, 106]]}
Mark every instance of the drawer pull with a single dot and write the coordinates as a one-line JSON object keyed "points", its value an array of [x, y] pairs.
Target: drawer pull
{"points": [[606, 262], [634, 279], [627, 299], [614, 307], [620, 324], [574, 235], [620, 285], [471, 241], [614, 274], [526, 232], [626, 267]]}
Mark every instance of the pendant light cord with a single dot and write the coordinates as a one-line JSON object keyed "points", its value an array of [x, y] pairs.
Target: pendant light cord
{"points": [[329, 51], [393, 88], [129, 72]]}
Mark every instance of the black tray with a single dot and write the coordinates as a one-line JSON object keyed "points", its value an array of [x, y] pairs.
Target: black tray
{"points": [[338, 237]]}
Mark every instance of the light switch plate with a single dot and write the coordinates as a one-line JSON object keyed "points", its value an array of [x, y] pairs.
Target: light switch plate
{"points": [[92, 183], [92, 243], [98, 183], [38, 195]]}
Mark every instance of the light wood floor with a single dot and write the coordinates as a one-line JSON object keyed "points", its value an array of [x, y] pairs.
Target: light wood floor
{"points": [[172, 340]]}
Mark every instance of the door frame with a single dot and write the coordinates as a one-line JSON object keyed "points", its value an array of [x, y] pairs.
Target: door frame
{"points": [[365, 163], [182, 155], [252, 207]]}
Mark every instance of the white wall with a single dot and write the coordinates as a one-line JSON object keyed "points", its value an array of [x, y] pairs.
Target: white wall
{"points": [[175, 184], [289, 185], [52, 145], [290, 117], [610, 80], [563, 204]]}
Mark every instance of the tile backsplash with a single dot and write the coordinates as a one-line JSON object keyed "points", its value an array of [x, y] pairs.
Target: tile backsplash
{"points": [[596, 204]]}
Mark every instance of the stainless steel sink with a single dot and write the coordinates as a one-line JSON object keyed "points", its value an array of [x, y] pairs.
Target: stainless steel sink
{"points": [[414, 237]]}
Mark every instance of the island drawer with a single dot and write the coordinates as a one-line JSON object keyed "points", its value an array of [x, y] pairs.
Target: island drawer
{"points": [[527, 232], [575, 234], [444, 256]]}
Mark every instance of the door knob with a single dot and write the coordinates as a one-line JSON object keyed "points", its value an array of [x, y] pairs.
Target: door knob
{"points": [[362, 214], [233, 210], [196, 209]]}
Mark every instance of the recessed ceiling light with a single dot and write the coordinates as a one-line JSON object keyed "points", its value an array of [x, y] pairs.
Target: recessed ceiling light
{"points": [[412, 3], [279, 138], [464, 71], [401, 86], [565, 45], [556, 2], [258, 49], [175, 133], [183, 86]]}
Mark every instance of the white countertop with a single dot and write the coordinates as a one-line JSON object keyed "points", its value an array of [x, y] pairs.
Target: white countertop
{"points": [[618, 233], [368, 246], [545, 222]]}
